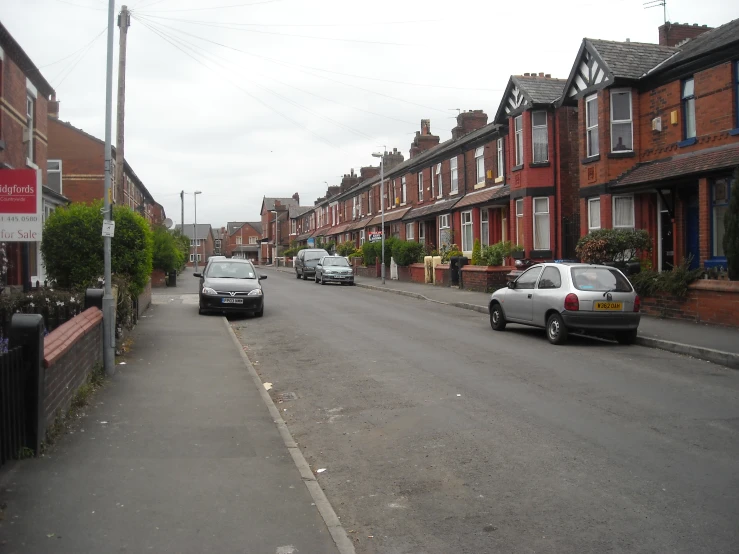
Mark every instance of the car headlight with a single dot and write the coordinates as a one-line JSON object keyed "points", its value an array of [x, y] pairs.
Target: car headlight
{"points": [[209, 291], [255, 292]]}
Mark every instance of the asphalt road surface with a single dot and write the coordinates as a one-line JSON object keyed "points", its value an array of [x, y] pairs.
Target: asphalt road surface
{"points": [[438, 435]]}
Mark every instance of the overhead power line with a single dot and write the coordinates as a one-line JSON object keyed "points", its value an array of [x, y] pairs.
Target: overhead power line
{"points": [[219, 7]]}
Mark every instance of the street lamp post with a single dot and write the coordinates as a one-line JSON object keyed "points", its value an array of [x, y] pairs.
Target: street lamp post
{"points": [[195, 228], [382, 209]]}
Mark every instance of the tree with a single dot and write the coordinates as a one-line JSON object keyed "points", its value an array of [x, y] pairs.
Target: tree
{"points": [[731, 229], [167, 256], [132, 248]]}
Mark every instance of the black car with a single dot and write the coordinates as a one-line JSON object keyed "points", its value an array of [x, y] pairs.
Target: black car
{"points": [[306, 260], [231, 285]]}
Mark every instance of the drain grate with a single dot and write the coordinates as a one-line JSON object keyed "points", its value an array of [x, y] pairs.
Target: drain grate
{"points": [[285, 396]]}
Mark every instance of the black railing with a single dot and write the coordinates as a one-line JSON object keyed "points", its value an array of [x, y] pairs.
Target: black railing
{"points": [[13, 414]]}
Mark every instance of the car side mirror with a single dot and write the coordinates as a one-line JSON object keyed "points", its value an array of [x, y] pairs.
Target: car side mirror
{"points": [[262, 277], [197, 274], [511, 284]]}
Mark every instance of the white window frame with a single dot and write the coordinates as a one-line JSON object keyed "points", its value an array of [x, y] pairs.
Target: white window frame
{"points": [[252, 239], [546, 134], [592, 227], [403, 192], [630, 121], [420, 187], [239, 241], [30, 124], [59, 171], [466, 218], [409, 232], [421, 232], [519, 217], [501, 166], [433, 184], [454, 175], [192, 257], [484, 227], [444, 223], [439, 180], [589, 127], [518, 130], [548, 214], [370, 197], [480, 165], [361, 237], [613, 212]]}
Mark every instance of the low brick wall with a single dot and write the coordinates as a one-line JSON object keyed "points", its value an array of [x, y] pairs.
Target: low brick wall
{"points": [[418, 273], [158, 278], [404, 274], [443, 275], [484, 278], [707, 301], [145, 299], [71, 352]]}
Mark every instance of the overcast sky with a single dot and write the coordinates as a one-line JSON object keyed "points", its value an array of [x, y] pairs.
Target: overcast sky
{"points": [[246, 98]]}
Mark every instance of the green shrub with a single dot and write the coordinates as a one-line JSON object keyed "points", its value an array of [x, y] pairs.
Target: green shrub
{"points": [[731, 230], [674, 282], [370, 250], [132, 248], [613, 245], [290, 252], [407, 252], [492, 255], [167, 254], [346, 248], [448, 251], [476, 253]]}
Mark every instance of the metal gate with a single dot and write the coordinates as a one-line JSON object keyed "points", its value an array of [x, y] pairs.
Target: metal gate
{"points": [[13, 414]]}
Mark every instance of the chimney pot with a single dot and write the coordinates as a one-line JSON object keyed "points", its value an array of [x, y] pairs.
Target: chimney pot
{"points": [[548, 75], [525, 74], [541, 74]]}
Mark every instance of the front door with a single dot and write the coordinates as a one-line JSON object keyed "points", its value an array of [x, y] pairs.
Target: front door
{"points": [[692, 244]]}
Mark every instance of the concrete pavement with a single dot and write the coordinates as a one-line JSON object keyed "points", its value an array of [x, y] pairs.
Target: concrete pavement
{"points": [[706, 342], [178, 454]]}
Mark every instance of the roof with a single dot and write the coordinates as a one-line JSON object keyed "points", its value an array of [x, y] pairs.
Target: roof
{"points": [[297, 211], [389, 217], [23, 61], [431, 209], [54, 195], [269, 203], [246, 248], [710, 41], [233, 226], [683, 165], [485, 195], [203, 230], [541, 90], [216, 233], [339, 229], [631, 60], [360, 224]]}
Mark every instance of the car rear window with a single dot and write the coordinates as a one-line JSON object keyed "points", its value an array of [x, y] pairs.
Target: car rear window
{"points": [[317, 255], [600, 279]]}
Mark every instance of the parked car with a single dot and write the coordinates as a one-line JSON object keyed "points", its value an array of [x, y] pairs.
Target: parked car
{"points": [[306, 260], [334, 269], [207, 264], [231, 285], [564, 297]]}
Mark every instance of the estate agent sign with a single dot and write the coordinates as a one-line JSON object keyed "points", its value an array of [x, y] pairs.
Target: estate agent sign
{"points": [[20, 205]]}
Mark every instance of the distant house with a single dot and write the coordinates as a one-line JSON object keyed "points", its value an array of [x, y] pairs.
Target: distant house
{"points": [[276, 224], [243, 240], [202, 243]]}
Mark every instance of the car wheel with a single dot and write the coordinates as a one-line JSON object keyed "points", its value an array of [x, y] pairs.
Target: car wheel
{"points": [[626, 337], [322, 281], [260, 313], [297, 275], [305, 277], [201, 311], [315, 278], [556, 329], [497, 319]]}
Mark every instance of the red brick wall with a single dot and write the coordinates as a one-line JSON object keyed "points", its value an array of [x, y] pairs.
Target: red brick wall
{"points": [[244, 233], [443, 277], [145, 298], [484, 278], [715, 302], [418, 273], [83, 162], [671, 34], [71, 352], [158, 278]]}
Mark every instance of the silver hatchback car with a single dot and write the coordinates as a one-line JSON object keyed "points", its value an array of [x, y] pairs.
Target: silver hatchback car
{"points": [[564, 297]]}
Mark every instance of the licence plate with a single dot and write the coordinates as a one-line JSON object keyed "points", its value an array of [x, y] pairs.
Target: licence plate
{"points": [[232, 300], [609, 306]]}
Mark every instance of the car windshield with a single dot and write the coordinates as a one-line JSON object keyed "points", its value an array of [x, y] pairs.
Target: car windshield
{"points": [[600, 279], [340, 262], [314, 256], [230, 270]]}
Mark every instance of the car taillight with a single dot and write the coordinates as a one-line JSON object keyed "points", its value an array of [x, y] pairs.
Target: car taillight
{"points": [[572, 302], [637, 303]]}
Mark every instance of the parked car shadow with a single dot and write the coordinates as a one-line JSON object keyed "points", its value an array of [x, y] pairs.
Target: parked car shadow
{"points": [[577, 340]]}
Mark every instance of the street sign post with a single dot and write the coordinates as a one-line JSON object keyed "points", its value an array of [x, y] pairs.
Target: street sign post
{"points": [[375, 236]]}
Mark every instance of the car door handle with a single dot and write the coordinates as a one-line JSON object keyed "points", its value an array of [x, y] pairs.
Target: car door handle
{"points": [[529, 296]]}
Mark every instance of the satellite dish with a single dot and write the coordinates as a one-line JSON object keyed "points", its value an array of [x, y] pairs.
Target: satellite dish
{"points": [[168, 223]]}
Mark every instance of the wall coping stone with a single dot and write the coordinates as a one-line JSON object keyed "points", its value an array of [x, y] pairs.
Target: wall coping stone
{"points": [[66, 335], [715, 285]]}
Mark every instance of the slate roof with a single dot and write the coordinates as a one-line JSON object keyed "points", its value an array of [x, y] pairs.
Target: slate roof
{"points": [[541, 90], [683, 165], [256, 225], [712, 40], [297, 211], [631, 60], [389, 217], [431, 209], [484, 195], [233, 226], [269, 203], [361, 224], [189, 231]]}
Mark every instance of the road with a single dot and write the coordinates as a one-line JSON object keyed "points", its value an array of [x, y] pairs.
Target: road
{"points": [[438, 435]]}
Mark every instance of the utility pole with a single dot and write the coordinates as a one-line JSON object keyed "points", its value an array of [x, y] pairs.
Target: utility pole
{"points": [[108, 304], [182, 207], [124, 21]]}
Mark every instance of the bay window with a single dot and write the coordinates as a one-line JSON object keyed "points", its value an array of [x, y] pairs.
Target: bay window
{"points": [[623, 212], [409, 234], [484, 227], [591, 125], [539, 137], [720, 195], [593, 214], [541, 223], [519, 222], [518, 128]]}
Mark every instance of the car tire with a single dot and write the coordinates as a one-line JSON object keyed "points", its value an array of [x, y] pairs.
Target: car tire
{"points": [[260, 313], [297, 275], [201, 311], [556, 329], [497, 319], [305, 277], [626, 337], [322, 281]]}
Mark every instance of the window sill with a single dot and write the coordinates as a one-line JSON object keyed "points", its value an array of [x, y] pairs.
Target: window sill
{"points": [[30, 164], [616, 155], [687, 142], [517, 168], [590, 160], [479, 186], [539, 164], [734, 132], [499, 179], [451, 192]]}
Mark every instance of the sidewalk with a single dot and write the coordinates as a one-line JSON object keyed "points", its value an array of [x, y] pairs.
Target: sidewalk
{"points": [[179, 453], [707, 342]]}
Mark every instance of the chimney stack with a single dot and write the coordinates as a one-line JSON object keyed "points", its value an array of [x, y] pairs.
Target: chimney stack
{"points": [[468, 122], [53, 107], [675, 34], [296, 197], [423, 139]]}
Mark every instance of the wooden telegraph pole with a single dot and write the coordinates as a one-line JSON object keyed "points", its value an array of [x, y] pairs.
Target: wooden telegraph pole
{"points": [[124, 21]]}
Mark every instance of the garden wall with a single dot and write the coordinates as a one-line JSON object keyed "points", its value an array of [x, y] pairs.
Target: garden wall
{"points": [[484, 278], [707, 301]]}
